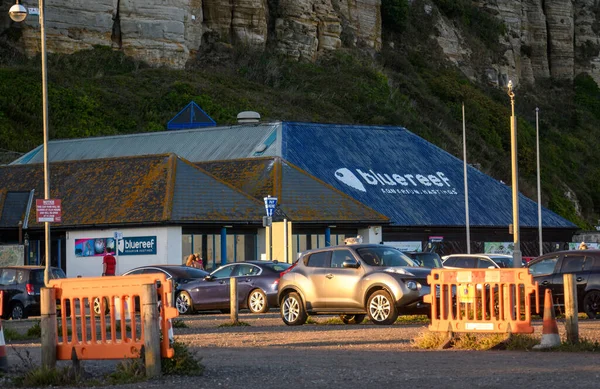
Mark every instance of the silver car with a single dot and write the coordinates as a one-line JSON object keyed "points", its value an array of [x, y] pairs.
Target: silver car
{"points": [[353, 281]]}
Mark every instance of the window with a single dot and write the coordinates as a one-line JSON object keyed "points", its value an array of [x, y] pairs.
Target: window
{"points": [[319, 259], [463, 262], [544, 266], [339, 256], [572, 264], [8, 277], [224, 272], [485, 263], [246, 270]]}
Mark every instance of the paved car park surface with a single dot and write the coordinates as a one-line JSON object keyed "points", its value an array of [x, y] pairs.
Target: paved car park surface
{"points": [[268, 355]]}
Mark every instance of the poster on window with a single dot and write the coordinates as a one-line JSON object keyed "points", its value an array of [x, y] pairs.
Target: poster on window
{"points": [[94, 247], [499, 247]]}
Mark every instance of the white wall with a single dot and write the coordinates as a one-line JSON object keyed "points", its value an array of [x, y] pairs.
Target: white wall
{"points": [[371, 234], [168, 250]]}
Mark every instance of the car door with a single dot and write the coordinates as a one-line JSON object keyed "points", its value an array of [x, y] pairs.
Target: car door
{"points": [[343, 283], [542, 270], [576, 263], [214, 293], [245, 275], [316, 290]]}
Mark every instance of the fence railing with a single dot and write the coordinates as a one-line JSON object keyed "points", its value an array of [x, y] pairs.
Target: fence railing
{"points": [[116, 328], [482, 300]]}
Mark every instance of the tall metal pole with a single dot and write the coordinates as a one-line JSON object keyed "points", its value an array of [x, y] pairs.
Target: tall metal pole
{"points": [[515, 179], [539, 187], [45, 119], [466, 182]]}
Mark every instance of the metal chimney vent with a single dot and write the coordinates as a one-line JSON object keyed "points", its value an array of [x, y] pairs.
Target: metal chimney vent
{"points": [[248, 117]]}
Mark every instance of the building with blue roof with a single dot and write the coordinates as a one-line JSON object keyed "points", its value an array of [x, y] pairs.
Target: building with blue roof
{"points": [[332, 181]]}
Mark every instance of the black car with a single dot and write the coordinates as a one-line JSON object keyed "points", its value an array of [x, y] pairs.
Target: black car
{"points": [[21, 286], [548, 271], [424, 259]]}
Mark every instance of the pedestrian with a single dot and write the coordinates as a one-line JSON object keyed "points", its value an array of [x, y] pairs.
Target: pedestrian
{"points": [[199, 262], [583, 246], [192, 260], [109, 264]]}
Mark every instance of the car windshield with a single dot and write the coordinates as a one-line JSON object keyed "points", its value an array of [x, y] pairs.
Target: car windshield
{"points": [[385, 257]]}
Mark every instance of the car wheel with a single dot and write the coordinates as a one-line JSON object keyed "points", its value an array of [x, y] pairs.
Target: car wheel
{"points": [[591, 304], [184, 304], [292, 310], [257, 301], [98, 306], [352, 319], [17, 312], [381, 308]]}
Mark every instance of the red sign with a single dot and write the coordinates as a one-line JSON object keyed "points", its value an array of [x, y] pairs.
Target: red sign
{"points": [[48, 211]]}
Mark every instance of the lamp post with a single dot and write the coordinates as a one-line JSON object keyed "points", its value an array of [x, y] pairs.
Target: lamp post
{"points": [[18, 13], [539, 188], [515, 179]]}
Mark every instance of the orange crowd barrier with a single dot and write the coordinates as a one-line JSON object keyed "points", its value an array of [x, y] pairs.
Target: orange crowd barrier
{"points": [[102, 317], [482, 300]]}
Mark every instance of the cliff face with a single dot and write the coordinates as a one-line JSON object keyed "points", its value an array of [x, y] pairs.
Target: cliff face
{"points": [[169, 32], [541, 40]]}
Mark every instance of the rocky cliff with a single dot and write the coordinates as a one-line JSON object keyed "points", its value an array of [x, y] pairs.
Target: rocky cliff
{"points": [[544, 38]]}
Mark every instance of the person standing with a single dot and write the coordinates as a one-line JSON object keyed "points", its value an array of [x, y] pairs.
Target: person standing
{"points": [[109, 264]]}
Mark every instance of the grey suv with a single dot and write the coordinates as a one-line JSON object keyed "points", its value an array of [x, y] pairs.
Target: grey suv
{"points": [[353, 281]]}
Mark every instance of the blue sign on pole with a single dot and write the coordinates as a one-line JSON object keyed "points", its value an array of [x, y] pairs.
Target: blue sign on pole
{"points": [[270, 204], [140, 245]]}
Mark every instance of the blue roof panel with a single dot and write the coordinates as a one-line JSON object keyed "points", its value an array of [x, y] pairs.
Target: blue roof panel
{"points": [[404, 177]]}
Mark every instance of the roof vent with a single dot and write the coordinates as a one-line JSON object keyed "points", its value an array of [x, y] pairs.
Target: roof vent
{"points": [[248, 117]]}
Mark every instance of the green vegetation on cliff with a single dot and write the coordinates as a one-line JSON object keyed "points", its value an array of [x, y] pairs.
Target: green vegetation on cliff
{"points": [[102, 92]]}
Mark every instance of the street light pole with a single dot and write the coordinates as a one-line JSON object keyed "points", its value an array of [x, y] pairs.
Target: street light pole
{"points": [[539, 187], [517, 257], [18, 13]]}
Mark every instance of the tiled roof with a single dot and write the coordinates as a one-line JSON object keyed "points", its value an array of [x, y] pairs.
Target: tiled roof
{"points": [[302, 197], [132, 190]]}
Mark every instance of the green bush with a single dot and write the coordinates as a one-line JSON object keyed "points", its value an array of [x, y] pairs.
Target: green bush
{"points": [[394, 14]]}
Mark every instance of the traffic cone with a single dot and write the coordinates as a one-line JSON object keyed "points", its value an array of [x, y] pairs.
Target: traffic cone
{"points": [[3, 357], [550, 336]]}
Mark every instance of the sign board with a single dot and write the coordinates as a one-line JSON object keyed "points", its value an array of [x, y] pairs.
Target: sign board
{"points": [[48, 211], [270, 204], [33, 11], [436, 239], [141, 245]]}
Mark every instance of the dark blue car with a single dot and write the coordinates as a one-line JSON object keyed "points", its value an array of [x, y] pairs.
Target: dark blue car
{"points": [[197, 290]]}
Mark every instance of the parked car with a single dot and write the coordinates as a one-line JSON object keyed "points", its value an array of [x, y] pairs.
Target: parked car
{"points": [[490, 261], [257, 283], [21, 286], [182, 276], [425, 259], [548, 271], [197, 290], [353, 281]]}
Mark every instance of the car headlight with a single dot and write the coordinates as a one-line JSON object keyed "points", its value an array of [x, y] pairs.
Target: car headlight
{"points": [[412, 285], [398, 270]]}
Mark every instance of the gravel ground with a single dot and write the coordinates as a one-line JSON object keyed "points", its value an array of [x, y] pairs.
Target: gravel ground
{"points": [[270, 355]]}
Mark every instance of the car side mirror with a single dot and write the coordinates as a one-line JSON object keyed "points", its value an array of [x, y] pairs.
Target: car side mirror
{"points": [[209, 278], [351, 264]]}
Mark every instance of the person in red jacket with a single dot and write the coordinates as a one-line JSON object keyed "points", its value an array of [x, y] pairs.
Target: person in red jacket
{"points": [[109, 264]]}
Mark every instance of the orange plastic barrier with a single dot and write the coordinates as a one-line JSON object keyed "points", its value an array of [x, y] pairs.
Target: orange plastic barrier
{"points": [[117, 331], [481, 300]]}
